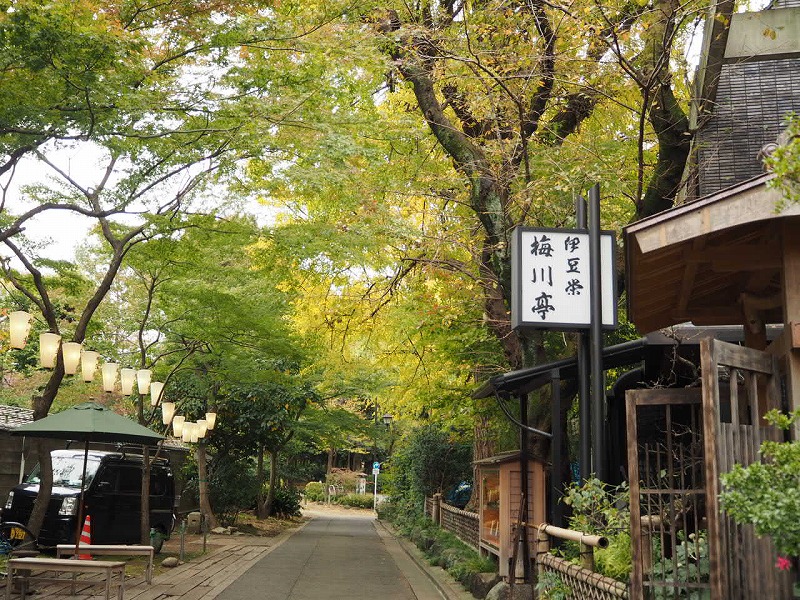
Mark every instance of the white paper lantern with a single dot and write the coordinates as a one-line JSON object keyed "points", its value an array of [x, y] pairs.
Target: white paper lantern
{"points": [[71, 351], [156, 387], [19, 325], [211, 420], [143, 380], [126, 379], [167, 412], [177, 425], [48, 349], [202, 428], [109, 371], [89, 364]]}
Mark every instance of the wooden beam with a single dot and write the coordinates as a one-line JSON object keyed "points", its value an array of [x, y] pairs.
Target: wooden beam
{"points": [[795, 329], [791, 307], [750, 202], [734, 264], [689, 276], [748, 256], [724, 315]]}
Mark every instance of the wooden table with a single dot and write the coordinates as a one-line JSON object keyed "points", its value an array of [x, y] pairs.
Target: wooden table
{"points": [[23, 569], [111, 550]]}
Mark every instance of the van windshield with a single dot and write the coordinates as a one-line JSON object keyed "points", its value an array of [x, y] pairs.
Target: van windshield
{"points": [[67, 471]]}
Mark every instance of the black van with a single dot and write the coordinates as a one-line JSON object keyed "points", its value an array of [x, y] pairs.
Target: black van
{"points": [[112, 498]]}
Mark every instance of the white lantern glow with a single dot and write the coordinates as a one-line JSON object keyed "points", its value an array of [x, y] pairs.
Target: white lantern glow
{"points": [[177, 425], [71, 352], [89, 364], [126, 379], [186, 434], [202, 427], [156, 387], [143, 380], [167, 412], [195, 433], [19, 325], [211, 419], [48, 349], [109, 371]]}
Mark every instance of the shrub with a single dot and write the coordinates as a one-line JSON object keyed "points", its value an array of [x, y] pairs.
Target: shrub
{"points": [[600, 509], [550, 587], [764, 494], [439, 546], [429, 460], [286, 502], [315, 491], [344, 479], [233, 488], [355, 500], [784, 161]]}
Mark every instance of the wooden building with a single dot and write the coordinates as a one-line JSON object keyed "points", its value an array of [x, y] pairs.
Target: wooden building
{"points": [[747, 82], [500, 502], [15, 454]]}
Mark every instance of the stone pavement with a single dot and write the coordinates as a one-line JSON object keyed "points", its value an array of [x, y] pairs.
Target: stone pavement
{"points": [[339, 554]]}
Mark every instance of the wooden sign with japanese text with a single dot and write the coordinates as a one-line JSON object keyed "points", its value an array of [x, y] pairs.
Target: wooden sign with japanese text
{"points": [[550, 279]]}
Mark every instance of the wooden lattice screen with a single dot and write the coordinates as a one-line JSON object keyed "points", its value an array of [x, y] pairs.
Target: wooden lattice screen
{"points": [[679, 442], [742, 564], [665, 462]]}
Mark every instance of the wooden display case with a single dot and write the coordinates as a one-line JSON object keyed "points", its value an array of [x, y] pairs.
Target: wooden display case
{"points": [[490, 508], [500, 496]]}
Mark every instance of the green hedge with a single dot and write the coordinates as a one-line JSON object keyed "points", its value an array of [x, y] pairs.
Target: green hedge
{"points": [[314, 491], [355, 500], [440, 547]]}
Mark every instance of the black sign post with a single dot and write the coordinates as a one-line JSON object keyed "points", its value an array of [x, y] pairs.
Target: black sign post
{"points": [[596, 335], [583, 351]]}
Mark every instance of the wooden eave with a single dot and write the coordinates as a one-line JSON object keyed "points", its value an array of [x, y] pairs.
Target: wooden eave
{"points": [[694, 262]]}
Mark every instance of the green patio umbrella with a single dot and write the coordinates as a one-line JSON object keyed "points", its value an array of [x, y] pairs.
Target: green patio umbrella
{"points": [[89, 422]]}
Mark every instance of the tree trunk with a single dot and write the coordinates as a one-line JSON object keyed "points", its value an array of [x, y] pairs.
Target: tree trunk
{"points": [[261, 502], [484, 445], [203, 488], [273, 479], [331, 458], [41, 405], [45, 487]]}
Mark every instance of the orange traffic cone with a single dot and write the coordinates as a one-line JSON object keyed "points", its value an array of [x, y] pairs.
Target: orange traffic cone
{"points": [[86, 537]]}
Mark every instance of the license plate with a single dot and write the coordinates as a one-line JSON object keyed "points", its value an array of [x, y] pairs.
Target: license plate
{"points": [[17, 534]]}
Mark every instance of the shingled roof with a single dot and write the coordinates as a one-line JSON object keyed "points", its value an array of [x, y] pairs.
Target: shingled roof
{"points": [[12, 417]]}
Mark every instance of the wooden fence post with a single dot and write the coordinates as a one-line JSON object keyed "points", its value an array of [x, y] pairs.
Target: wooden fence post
{"points": [[437, 509], [587, 557]]}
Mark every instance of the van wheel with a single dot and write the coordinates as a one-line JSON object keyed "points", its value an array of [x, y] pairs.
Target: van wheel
{"points": [[157, 540]]}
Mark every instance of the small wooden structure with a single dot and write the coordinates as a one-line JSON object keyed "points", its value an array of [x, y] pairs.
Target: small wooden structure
{"points": [[729, 258], [16, 457], [500, 502]]}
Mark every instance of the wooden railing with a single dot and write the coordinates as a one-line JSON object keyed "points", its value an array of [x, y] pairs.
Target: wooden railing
{"points": [[581, 579], [461, 523]]}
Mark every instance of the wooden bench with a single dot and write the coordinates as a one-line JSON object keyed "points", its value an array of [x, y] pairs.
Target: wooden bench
{"points": [[111, 550], [22, 569]]}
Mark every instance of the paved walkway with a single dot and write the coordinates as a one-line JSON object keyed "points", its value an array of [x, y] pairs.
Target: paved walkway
{"points": [[334, 556], [337, 555]]}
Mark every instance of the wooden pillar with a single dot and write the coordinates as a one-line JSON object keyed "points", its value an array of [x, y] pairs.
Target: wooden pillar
{"points": [[587, 557], [437, 509], [791, 307]]}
